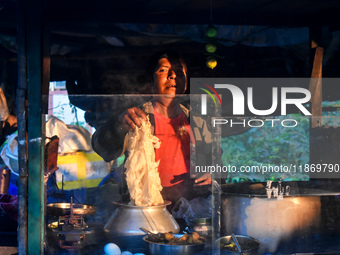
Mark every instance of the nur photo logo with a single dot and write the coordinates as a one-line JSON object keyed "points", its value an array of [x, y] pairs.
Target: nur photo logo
{"points": [[204, 98], [238, 99]]}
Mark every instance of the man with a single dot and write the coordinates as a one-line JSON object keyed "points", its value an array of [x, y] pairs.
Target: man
{"points": [[170, 124]]}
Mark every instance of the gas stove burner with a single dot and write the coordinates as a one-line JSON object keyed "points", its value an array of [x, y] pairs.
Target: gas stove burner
{"points": [[70, 227], [70, 223], [71, 231]]}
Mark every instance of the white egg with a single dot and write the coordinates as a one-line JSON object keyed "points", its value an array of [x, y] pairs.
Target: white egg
{"points": [[127, 253], [112, 249]]}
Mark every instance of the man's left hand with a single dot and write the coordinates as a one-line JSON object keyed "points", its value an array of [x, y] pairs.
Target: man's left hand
{"points": [[205, 179]]}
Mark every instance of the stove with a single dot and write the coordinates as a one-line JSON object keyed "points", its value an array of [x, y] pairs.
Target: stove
{"points": [[70, 225]]}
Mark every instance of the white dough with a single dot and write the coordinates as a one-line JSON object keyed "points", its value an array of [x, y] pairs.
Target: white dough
{"points": [[142, 175]]}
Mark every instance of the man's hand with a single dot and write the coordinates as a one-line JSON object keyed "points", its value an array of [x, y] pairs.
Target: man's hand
{"points": [[205, 179], [131, 118]]}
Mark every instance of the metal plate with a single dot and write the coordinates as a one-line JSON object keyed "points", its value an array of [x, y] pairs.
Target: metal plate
{"points": [[61, 209]]}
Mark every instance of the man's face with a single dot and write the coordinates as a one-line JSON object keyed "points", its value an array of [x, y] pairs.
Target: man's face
{"points": [[170, 78]]}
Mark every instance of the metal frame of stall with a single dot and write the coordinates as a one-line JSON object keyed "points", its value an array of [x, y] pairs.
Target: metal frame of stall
{"points": [[33, 76]]}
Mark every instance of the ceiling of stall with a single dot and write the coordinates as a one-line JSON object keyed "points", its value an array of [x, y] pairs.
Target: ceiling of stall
{"points": [[230, 12]]}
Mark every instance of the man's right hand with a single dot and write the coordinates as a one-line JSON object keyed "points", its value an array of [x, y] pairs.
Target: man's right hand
{"points": [[131, 118]]}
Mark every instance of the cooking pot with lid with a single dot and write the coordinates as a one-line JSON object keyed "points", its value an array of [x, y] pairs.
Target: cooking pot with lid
{"points": [[123, 227]]}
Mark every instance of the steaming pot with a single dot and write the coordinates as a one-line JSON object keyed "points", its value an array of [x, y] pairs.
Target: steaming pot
{"points": [[272, 221], [123, 227]]}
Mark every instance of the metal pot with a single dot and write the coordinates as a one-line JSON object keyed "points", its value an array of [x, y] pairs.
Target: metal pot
{"points": [[271, 221], [168, 249], [248, 245], [123, 227]]}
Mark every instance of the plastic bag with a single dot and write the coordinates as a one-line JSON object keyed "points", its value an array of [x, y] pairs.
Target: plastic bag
{"points": [[72, 138], [190, 210], [9, 153]]}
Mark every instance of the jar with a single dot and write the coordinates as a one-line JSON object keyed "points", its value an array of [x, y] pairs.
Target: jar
{"points": [[203, 227]]}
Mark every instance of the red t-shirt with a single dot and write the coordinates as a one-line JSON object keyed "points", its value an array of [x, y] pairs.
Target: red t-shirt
{"points": [[174, 152]]}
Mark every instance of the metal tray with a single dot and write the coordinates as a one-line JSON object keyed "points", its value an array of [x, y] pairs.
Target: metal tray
{"points": [[62, 209]]}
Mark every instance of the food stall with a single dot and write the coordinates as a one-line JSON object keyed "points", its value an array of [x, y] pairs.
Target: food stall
{"points": [[69, 199]]}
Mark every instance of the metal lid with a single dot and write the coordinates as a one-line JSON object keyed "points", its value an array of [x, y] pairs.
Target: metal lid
{"points": [[62, 209]]}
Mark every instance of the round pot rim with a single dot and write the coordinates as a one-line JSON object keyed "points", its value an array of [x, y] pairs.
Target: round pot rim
{"points": [[166, 203]]}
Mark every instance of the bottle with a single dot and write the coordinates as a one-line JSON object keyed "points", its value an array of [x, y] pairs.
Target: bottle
{"points": [[203, 227], [5, 176]]}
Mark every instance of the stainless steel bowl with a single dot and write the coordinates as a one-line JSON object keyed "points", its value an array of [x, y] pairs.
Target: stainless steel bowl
{"points": [[248, 245], [168, 249]]}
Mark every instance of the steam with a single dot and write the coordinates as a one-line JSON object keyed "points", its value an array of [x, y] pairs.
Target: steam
{"points": [[275, 220]]}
